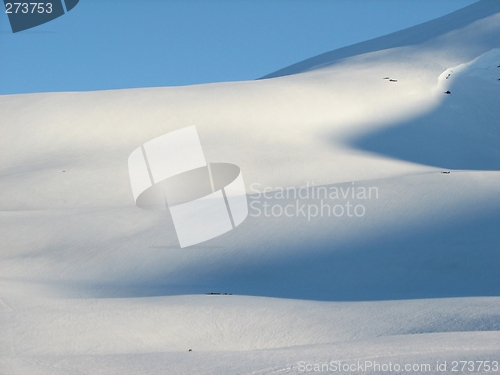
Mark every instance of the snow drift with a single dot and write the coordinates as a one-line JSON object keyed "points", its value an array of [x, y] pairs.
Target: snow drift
{"points": [[91, 283]]}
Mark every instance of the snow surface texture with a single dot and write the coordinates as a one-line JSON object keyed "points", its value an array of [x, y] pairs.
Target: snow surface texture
{"points": [[91, 284]]}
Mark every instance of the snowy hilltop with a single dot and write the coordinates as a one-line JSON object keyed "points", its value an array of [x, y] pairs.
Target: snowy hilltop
{"points": [[373, 187]]}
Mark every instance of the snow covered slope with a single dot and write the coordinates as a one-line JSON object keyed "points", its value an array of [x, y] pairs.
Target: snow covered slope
{"points": [[460, 36], [89, 283]]}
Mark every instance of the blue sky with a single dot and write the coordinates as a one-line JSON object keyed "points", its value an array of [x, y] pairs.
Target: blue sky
{"points": [[111, 44]]}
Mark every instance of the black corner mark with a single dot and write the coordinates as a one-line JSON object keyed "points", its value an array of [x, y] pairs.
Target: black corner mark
{"points": [[24, 15], [70, 4]]}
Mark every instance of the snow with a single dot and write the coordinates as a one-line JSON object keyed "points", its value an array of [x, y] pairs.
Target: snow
{"points": [[460, 36], [92, 284]]}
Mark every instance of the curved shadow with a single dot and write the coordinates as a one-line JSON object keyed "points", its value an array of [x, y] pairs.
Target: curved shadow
{"points": [[462, 133], [457, 257], [414, 35]]}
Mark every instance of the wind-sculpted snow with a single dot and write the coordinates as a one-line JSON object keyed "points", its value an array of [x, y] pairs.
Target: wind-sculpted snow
{"points": [[461, 35], [462, 132], [372, 231]]}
